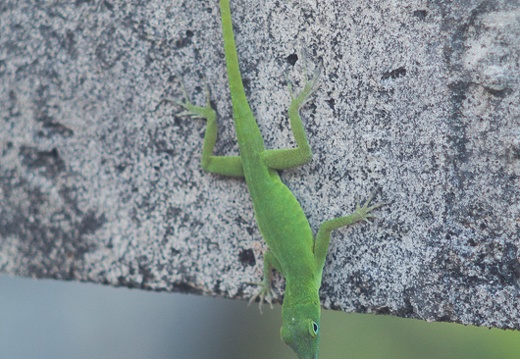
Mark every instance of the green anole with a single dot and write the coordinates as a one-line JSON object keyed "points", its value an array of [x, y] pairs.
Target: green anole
{"points": [[293, 250]]}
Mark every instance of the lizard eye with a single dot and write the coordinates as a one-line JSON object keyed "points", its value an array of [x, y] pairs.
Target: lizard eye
{"points": [[314, 328]]}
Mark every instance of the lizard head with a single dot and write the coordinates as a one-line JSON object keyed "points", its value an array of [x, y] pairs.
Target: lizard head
{"points": [[301, 330]]}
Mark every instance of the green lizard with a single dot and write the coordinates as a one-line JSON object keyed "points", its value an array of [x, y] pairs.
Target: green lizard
{"points": [[293, 250]]}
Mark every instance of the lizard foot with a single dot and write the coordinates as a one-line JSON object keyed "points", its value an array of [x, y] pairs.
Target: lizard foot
{"points": [[265, 293], [190, 109], [311, 84], [363, 213]]}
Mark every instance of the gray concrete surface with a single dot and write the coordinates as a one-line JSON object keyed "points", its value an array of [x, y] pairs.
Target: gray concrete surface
{"points": [[100, 180]]}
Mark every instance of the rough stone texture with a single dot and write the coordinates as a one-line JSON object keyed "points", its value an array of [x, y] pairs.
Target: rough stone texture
{"points": [[100, 180]]}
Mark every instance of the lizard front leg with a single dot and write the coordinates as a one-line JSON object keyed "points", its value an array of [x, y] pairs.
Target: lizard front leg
{"points": [[222, 165], [321, 244], [281, 159]]}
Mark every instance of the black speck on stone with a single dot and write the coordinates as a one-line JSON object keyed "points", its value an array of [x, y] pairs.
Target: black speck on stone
{"points": [[420, 14], [184, 41], [247, 257], [399, 72], [48, 161], [291, 59], [90, 223], [55, 128], [108, 5]]}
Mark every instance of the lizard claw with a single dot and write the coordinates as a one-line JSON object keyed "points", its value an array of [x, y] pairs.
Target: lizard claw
{"points": [[190, 109], [311, 83], [364, 212], [264, 293]]}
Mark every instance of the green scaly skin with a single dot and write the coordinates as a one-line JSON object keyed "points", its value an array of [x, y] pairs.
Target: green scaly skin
{"points": [[293, 250]]}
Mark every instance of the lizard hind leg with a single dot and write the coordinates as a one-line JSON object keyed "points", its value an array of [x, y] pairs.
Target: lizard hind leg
{"points": [[265, 292], [280, 159], [223, 165], [206, 112], [310, 86]]}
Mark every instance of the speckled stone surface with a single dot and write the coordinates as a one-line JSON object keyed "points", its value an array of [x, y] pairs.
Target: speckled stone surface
{"points": [[100, 180]]}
